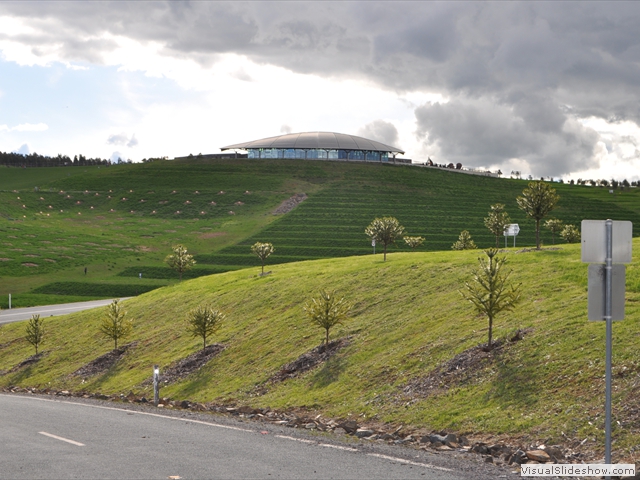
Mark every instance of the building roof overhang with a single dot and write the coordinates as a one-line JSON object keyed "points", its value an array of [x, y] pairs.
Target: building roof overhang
{"points": [[316, 140]]}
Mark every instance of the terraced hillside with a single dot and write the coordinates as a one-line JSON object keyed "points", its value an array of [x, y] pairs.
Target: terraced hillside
{"points": [[120, 222], [432, 203]]}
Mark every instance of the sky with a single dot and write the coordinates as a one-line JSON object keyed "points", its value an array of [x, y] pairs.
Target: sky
{"points": [[549, 89]]}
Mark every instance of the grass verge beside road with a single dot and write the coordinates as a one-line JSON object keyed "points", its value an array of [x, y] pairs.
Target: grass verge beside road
{"points": [[408, 321]]}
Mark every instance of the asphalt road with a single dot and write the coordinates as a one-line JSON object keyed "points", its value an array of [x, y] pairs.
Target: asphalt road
{"points": [[19, 314], [51, 438]]}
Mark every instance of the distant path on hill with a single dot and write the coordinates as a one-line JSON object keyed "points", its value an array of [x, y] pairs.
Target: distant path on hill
{"points": [[19, 314], [77, 439]]}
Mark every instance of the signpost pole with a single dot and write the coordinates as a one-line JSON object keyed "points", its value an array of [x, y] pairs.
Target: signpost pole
{"points": [[599, 246], [609, 322]]}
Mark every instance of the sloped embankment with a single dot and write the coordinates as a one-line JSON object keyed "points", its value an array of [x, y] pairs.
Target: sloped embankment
{"points": [[408, 322]]}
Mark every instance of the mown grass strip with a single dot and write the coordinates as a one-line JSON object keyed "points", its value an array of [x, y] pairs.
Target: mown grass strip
{"points": [[94, 289]]}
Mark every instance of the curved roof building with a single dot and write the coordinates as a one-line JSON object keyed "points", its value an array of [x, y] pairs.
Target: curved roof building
{"points": [[318, 145]]}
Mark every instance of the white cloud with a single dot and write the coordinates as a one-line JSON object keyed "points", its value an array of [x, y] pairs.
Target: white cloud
{"points": [[25, 127], [24, 150], [115, 156], [122, 139]]}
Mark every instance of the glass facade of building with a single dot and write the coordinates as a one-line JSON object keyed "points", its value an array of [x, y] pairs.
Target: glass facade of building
{"points": [[318, 154]]}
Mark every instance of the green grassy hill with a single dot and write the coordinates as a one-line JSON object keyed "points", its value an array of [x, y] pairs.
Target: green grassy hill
{"points": [[408, 321], [121, 221]]}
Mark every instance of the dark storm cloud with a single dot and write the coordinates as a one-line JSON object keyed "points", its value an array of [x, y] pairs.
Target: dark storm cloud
{"points": [[472, 47], [485, 132], [518, 73]]}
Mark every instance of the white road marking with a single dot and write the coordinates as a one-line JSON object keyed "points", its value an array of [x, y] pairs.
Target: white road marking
{"points": [[190, 420], [409, 462], [211, 424], [302, 440], [339, 447], [21, 311], [72, 442], [44, 312]]}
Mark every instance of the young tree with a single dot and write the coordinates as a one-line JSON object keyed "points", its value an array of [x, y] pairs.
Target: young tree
{"points": [[570, 234], [464, 242], [537, 200], [180, 260], [497, 221], [262, 251], [35, 331], [554, 226], [384, 230], [114, 324], [327, 311], [490, 291], [203, 321], [414, 242]]}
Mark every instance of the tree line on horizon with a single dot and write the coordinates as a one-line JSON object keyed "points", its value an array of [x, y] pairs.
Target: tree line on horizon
{"points": [[20, 160]]}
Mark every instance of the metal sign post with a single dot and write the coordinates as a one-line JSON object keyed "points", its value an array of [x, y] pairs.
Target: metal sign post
{"points": [[606, 242], [373, 244], [608, 269]]}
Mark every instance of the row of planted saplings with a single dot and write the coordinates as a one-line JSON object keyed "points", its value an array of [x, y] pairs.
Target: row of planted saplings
{"points": [[325, 310], [489, 280]]}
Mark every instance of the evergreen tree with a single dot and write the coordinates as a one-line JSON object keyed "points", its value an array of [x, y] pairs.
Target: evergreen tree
{"points": [[490, 290]]}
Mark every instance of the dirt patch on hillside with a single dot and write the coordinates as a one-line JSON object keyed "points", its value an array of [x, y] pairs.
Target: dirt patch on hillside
{"points": [[188, 365], [311, 359], [29, 264], [526, 250], [5, 259], [462, 369], [290, 203], [33, 359], [103, 362], [10, 342], [204, 236]]}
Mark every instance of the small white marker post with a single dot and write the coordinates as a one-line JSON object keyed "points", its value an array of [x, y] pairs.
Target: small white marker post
{"points": [[511, 230], [373, 244], [9, 301], [156, 385], [606, 241]]}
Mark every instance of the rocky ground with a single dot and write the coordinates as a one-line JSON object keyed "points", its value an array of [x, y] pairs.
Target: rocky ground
{"points": [[25, 363], [503, 451], [290, 203], [461, 369], [185, 367], [103, 362], [309, 360]]}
